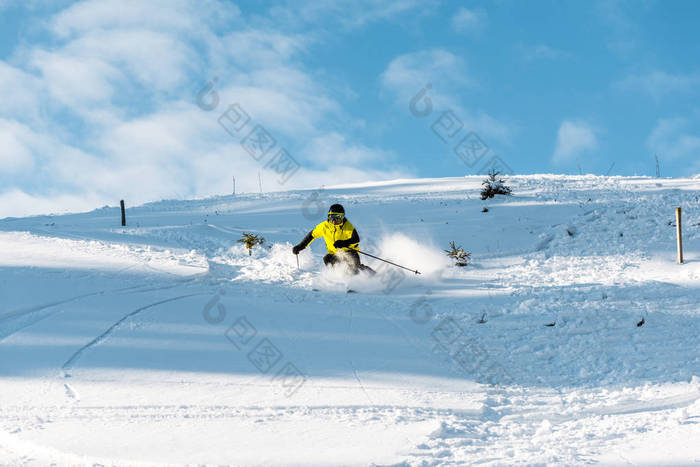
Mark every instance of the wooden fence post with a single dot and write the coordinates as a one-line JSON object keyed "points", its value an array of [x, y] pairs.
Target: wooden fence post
{"points": [[123, 213], [679, 235]]}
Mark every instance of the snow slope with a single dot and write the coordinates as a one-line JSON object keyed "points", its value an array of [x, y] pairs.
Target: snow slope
{"points": [[572, 337]]}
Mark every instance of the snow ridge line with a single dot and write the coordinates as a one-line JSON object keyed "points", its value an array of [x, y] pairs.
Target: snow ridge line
{"points": [[78, 353]]}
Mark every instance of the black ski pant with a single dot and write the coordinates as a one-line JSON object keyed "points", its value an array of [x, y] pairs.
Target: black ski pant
{"points": [[350, 257]]}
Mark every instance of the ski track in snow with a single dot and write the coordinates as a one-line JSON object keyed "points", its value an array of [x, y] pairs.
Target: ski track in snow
{"points": [[97, 340], [591, 255]]}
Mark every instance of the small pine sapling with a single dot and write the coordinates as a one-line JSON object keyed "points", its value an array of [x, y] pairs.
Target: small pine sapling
{"points": [[460, 256], [494, 186], [250, 241]]}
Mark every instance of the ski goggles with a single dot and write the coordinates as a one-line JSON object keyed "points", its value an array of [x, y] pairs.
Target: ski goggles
{"points": [[336, 217]]}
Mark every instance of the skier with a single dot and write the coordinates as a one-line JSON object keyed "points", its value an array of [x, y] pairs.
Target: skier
{"points": [[342, 240]]}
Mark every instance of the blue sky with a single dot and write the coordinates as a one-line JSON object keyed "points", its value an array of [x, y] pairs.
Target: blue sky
{"points": [[101, 97]]}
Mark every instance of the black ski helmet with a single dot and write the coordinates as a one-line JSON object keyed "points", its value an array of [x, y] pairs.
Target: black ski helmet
{"points": [[336, 208]]}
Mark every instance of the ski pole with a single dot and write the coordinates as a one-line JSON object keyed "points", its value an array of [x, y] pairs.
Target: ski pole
{"points": [[398, 265], [297, 261]]}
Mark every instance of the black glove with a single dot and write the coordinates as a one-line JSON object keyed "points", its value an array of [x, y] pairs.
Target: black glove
{"points": [[340, 244], [296, 249]]}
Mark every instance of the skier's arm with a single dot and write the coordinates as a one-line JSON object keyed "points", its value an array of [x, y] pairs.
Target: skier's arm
{"points": [[354, 238], [306, 240], [310, 237]]}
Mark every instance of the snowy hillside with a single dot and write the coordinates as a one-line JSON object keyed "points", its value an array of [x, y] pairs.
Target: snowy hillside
{"points": [[571, 337]]}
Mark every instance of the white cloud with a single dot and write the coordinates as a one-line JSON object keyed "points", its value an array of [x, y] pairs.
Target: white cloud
{"points": [[348, 14], [659, 83], [448, 77], [407, 74], [573, 139], [674, 141], [332, 148], [623, 19], [43, 161], [162, 65], [15, 153], [25, 95], [264, 46], [296, 116], [469, 21], [104, 108], [96, 67], [17, 203], [488, 127], [76, 81], [178, 16]]}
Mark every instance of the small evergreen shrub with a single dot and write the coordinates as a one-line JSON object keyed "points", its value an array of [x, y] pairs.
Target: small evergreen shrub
{"points": [[493, 185], [250, 240], [460, 256]]}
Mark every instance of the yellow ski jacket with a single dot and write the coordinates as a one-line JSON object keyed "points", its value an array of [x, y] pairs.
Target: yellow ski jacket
{"points": [[332, 233]]}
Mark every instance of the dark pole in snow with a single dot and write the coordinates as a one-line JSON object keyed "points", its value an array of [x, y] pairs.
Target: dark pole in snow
{"points": [[123, 213], [679, 235]]}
